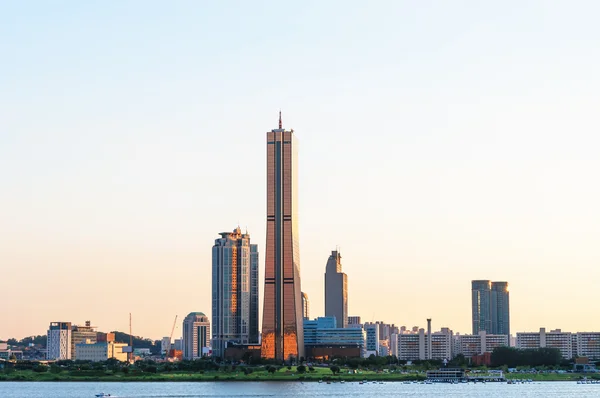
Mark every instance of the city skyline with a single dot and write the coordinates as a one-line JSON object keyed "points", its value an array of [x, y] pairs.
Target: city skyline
{"points": [[465, 137]]}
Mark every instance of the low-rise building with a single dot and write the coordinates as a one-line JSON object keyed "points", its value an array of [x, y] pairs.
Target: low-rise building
{"points": [[322, 339], [80, 334], [97, 352]]}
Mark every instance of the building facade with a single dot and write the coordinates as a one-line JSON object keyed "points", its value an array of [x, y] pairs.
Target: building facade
{"points": [[234, 291], [336, 290], [80, 334], [196, 335], [59, 341], [354, 322], [282, 329], [490, 307], [500, 308], [414, 345], [477, 344], [372, 335], [98, 352], [322, 338], [587, 344], [305, 306]]}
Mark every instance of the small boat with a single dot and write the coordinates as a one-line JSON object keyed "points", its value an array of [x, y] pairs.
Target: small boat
{"points": [[342, 381], [102, 395], [320, 381]]}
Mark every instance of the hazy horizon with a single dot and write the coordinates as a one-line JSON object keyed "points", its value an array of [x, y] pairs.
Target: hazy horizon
{"points": [[439, 142]]}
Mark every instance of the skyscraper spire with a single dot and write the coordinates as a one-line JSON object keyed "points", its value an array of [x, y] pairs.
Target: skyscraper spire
{"points": [[280, 124]]}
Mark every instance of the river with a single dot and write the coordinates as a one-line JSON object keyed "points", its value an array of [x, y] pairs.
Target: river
{"points": [[292, 389]]}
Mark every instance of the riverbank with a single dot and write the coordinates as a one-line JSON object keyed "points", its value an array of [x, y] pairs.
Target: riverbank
{"points": [[281, 375]]}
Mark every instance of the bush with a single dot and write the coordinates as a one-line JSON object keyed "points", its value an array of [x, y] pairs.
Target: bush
{"points": [[271, 369], [55, 369], [40, 368], [301, 369], [311, 369]]}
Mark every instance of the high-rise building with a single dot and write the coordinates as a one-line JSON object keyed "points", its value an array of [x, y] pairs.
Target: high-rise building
{"points": [[372, 336], [59, 341], [336, 290], [481, 306], [282, 331], [80, 334], [305, 306], [500, 308], [490, 307], [196, 335], [234, 299]]}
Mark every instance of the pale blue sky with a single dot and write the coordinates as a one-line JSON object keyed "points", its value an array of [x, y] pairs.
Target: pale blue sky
{"points": [[439, 142]]}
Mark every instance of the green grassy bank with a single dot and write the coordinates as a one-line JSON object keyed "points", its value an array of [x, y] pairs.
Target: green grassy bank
{"points": [[283, 374]]}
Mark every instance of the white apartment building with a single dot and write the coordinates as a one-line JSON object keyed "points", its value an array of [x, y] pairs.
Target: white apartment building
{"points": [[412, 345], [587, 344], [59, 341], [580, 344], [470, 345], [542, 339]]}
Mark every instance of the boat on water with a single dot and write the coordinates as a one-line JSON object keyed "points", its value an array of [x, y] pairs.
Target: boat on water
{"points": [[103, 395]]}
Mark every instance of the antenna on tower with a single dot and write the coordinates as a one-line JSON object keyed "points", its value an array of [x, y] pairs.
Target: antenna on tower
{"points": [[280, 124]]}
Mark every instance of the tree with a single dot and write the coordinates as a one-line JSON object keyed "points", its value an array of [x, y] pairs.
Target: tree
{"points": [[271, 369], [334, 369], [40, 368]]}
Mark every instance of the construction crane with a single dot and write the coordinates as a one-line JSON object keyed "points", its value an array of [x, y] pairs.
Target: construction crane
{"points": [[167, 354]]}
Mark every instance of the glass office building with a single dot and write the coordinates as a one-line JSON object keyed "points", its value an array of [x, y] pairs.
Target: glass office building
{"points": [[282, 331], [234, 291]]}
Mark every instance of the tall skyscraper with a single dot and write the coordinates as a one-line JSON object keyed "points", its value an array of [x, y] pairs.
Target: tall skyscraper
{"points": [[305, 306], [59, 341], [282, 331], [500, 308], [196, 335], [234, 291], [490, 307], [481, 306], [336, 290]]}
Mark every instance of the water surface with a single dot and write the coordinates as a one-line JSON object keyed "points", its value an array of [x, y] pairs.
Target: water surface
{"points": [[292, 389]]}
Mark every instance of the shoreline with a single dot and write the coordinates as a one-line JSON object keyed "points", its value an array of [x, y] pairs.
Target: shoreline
{"points": [[242, 378]]}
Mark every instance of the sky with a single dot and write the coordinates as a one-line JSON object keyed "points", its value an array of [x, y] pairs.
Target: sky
{"points": [[439, 142]]}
